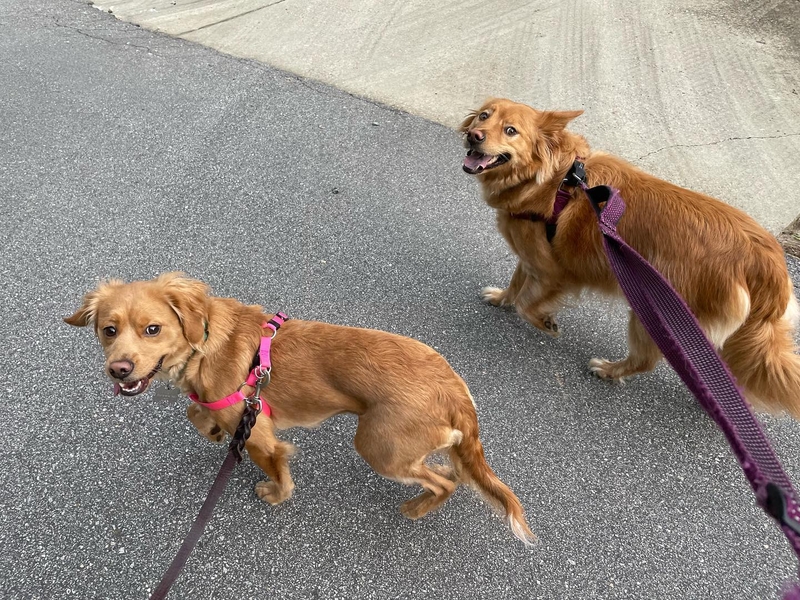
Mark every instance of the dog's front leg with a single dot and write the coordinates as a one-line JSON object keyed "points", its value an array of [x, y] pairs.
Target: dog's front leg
{"points": [[271, 455], [535, 303], [506, 297], [538, 305], [201, 418]]}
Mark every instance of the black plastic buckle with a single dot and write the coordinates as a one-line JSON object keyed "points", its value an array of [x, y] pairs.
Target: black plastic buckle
{"points": [[777, 507], [597, 196], [277, 324], [576, 174]]}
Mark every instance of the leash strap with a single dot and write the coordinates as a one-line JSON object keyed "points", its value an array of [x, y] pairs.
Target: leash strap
{"points": [[233, 458], [675, 330], [198, 527], [235, 450]]}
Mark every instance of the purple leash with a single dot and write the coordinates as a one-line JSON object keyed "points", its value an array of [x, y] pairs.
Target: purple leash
{"points": [[674, 329]]}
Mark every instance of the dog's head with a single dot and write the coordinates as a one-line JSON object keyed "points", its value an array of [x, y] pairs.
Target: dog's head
{"points": [[512, 141], [146, 328]]}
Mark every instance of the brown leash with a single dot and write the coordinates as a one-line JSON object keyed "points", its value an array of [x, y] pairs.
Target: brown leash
{"points": [[231, 460], [258, 378]]}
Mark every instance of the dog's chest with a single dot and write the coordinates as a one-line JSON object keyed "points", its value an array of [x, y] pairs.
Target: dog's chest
{"points": [[525, 237]]}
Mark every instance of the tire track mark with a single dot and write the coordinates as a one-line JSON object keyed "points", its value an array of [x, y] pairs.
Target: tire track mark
{"points": [[247, 12]]}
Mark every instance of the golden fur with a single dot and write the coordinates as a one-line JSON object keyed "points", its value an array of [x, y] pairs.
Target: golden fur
{"points": [[731, 271], [409, 401]]}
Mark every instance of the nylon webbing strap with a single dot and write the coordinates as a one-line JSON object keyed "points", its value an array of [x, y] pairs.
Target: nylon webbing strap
{"points": [[197, 528], [676, 332]]}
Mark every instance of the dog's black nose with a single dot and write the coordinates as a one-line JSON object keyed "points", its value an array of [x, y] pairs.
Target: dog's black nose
{"points": [[120, 369], [476, 136]]}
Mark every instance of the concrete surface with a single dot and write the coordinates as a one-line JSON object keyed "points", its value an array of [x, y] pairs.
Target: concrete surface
{"points": [[790, 238], [124, 153], [705, 94]]}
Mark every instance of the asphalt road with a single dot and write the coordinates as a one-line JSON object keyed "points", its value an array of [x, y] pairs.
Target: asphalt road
{"points": [[125, 153]]}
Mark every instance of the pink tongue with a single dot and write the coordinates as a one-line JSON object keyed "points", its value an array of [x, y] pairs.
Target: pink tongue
{"points": [[116, 389], [475, 160]]}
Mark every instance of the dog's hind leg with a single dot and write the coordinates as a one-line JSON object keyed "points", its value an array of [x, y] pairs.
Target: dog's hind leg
{"points": [[403, 459], [643, 355], [437, 490]]}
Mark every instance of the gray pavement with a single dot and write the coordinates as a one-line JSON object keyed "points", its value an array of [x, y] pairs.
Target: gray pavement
{"points": [[126, 153], [705, 93]]}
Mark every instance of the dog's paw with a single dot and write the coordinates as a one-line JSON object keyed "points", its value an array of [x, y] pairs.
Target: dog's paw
{"points": [[200, 418], [269, 491], [550, 326], [494, 296], [546, 323], [216, 434], [416, 507], [606, 369]]}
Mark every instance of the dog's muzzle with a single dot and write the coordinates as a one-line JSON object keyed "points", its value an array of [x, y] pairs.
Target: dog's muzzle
{"points": [[134, 388]]}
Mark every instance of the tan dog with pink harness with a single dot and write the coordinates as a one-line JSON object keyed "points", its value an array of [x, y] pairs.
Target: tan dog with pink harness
{"points": [[409, 401]]}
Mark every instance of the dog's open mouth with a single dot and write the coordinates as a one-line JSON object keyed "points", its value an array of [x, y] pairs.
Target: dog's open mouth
{"points": [[131, 388], [134, 388], [475, 162]]}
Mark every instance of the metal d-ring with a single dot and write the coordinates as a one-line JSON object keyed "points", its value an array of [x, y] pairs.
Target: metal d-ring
{"points": [[263, 374]]}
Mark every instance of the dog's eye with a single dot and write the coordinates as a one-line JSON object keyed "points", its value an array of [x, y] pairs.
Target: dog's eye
{"points": [[483, 116], [152, 330], [109, 331], [510, 130]]}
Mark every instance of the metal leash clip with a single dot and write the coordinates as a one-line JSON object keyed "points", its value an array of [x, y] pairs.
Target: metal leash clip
{"points": [[255, 402], [262, 379], [263, 374]]}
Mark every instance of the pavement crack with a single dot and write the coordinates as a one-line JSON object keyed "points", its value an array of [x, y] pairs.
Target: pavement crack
{"points": [[104, 39], [247, 12], [730, 139]]}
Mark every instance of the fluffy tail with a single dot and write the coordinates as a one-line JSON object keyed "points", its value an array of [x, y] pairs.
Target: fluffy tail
{"points": [[469, 461], [762, 356]]}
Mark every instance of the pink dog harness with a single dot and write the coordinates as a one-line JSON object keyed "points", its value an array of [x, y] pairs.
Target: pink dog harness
{"points": [[259, 376]]}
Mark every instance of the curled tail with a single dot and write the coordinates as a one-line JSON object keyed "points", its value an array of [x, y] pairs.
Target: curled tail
{"points": [[762, 356], [470, 463]]}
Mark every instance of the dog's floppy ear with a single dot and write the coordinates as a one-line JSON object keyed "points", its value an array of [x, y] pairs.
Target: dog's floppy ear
{"points": [[87, 313], [189, 299], [553, 121], [467, 121]]}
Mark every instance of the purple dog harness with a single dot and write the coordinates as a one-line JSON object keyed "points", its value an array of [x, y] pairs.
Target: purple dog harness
{"points": [[675, 330], [575, 173]]}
